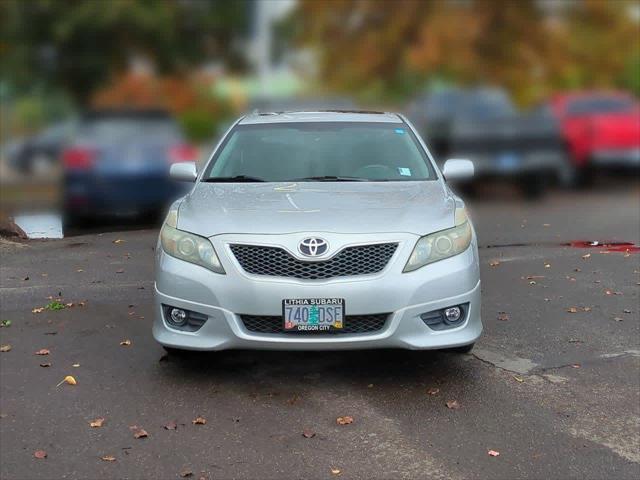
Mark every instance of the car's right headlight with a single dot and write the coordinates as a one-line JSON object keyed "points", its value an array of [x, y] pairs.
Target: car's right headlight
{"points": [[187, 246], [441, 245]]}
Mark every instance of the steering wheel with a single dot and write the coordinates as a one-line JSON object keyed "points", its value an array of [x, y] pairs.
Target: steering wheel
{"points": [[376, 172]]}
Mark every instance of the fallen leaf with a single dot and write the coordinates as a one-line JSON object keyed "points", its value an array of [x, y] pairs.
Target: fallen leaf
{"points": [[572, 310], [42, 351], [588, 255], [518, 379], [118, 240], [79, 270], [45, 365], [75, 365], [452, 404], [140, 433], [171, 425], [5, 348], [618, 319], [108, 458], [346, 420], [494, 263], [533, 282], [69, 380], [37, 310], [503, 316], [97, 422], [577, 365], [433, 391], [125, 343], [186, 473], [120, 270], [335, 471], [40, 454], [199, 421], [493, 453], [308, 433], [547, 265], [626, 310], [294, 400]]}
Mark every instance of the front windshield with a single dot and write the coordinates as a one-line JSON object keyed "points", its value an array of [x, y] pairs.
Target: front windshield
{"points": [[320, 151], [604, 104]]}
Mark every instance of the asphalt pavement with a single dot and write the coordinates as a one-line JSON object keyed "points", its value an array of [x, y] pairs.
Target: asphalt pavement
{"points": [[553, 385]]}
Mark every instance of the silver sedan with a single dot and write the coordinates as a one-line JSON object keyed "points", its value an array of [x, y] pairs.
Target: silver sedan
{"points": [[314, 231]]}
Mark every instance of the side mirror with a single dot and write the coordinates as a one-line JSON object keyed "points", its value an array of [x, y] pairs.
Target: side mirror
{"points": [[458, 169], [184, 171]]}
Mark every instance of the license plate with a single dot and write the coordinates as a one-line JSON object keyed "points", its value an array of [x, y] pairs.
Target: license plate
{"points": [[508, 160], [313, 314]]}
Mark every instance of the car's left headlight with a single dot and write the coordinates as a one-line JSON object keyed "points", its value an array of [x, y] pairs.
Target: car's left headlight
{"points": [[441, 245], [187, 246]]}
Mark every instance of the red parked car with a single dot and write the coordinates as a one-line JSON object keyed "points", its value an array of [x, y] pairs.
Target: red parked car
{"points": [[600, 128]]}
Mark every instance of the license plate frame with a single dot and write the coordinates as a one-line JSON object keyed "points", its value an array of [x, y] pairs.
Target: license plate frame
{"points": [[323, 315]]}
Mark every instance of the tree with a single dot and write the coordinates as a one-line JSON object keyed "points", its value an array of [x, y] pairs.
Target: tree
{"points": [[78, 44], [381, 48]]}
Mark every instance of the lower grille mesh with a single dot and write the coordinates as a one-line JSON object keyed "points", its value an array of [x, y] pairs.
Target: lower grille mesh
{"points": [[352, 324]]}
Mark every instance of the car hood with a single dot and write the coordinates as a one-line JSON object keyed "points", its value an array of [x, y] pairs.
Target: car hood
{"points": [[340, 207]]}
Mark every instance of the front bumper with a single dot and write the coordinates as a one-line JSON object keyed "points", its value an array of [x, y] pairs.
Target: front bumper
{"points": [[405, 296], [621, 158]]}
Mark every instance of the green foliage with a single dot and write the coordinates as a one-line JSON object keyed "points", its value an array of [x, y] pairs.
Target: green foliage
{"points": [[79, 44], [55, 305], [198, 125], [631, 77], [29, 114]]}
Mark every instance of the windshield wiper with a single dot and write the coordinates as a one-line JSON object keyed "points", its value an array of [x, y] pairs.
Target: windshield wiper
{"points": [[235, 179], [330, 178]]}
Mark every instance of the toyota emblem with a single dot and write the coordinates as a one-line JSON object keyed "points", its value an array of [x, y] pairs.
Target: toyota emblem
{"points": [[313, 247]]}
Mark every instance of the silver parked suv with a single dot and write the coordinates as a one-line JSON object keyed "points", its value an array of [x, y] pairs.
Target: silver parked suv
{"points": [[318, 230]]}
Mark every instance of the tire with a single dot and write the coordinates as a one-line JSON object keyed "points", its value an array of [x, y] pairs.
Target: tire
{"points": [[533, 186], [585, 177], [72, 221], [463, 349]]}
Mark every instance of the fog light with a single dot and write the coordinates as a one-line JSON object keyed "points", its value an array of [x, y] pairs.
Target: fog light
{"points": [[178, 316], [453, 314]]}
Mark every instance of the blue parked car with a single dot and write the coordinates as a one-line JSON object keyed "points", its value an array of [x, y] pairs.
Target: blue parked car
{"points": [[118, 165]]}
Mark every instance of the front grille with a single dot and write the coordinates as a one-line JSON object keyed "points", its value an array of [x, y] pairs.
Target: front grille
{"points": [[352, 324], [277, 262]]}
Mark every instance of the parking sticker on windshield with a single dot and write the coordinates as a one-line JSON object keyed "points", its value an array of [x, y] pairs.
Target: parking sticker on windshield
{"points": [[405, 172], [400, 131]]}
